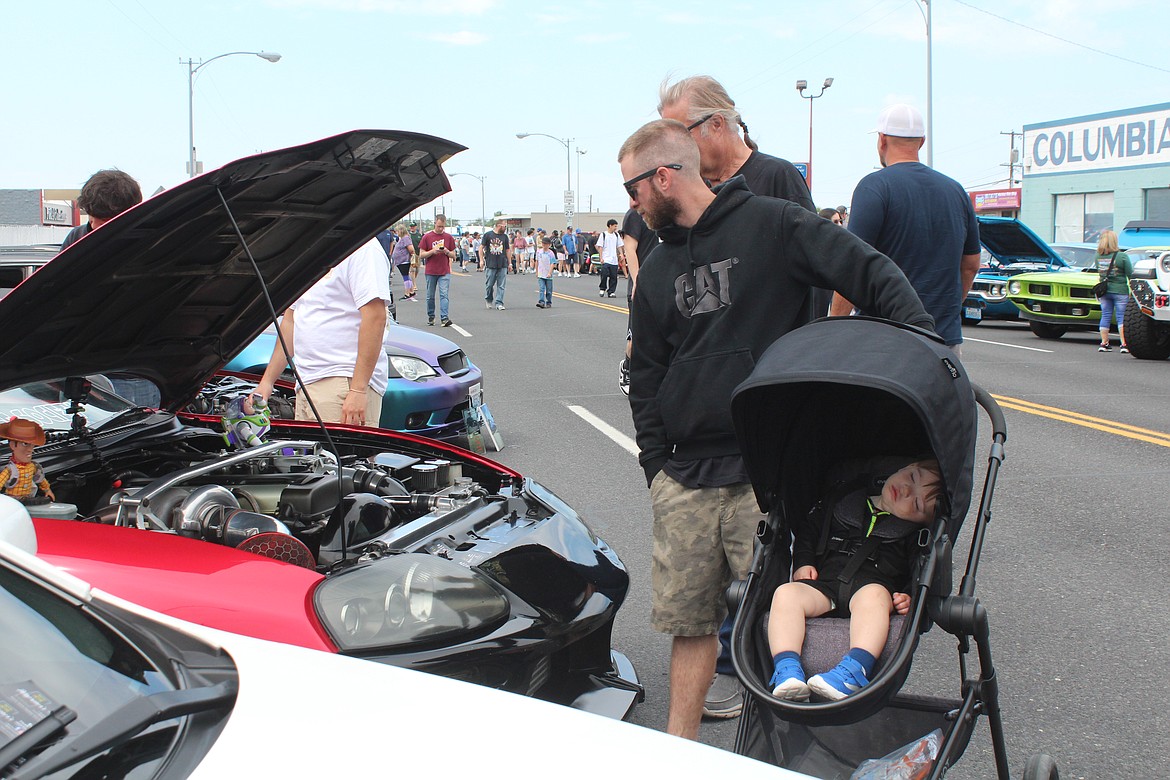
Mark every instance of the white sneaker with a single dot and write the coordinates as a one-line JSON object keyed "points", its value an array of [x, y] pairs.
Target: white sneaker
{"points": [[576, 276], [499, 307]]}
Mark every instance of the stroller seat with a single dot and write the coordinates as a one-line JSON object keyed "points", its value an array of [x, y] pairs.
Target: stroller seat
{"points": [[826, 639]]}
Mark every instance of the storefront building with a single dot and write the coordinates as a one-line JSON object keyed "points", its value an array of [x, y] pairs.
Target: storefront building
{"points": [[996, 203], [1092, 173]]}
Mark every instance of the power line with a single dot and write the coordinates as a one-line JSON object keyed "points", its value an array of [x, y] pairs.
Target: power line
{"points": [[1062, 40], [764, 76]]}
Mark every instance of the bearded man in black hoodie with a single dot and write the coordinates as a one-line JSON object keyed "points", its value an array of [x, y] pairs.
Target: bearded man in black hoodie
{"points": [[733, 273]]}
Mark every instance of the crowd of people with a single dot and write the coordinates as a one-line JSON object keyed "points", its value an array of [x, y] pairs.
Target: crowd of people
{"points": [[738, 256], [501, 252]]}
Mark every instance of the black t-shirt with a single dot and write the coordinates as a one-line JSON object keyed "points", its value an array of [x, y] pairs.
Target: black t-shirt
{"points": [[636, 228], [495, 250], [76, 234], [776, 178]]}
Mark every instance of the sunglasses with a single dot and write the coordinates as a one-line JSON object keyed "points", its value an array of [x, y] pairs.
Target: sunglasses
{"points": [[631, 185], [693, 125]]}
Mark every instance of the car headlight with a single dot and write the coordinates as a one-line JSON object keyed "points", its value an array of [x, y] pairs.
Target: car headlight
{"points": [[1164, 262], [411, 368], [1014, 288], [407, 599]]}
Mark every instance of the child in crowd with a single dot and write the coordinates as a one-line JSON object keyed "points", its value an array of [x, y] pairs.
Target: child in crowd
{"points": [[544, 270], [851, 558]]}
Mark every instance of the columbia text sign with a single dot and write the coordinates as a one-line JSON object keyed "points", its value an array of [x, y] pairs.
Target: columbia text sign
{"points": [[1131, 138]]}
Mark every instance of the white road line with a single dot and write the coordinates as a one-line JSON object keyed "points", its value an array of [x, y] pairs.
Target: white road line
{"points": [[455, 326], [623, 441], [1013, 346]]}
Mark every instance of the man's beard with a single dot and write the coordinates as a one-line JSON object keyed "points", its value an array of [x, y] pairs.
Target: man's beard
{"points": [[660, 211]]}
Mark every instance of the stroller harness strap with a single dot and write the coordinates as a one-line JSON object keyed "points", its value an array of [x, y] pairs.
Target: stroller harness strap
{"points": [[860, 544]]}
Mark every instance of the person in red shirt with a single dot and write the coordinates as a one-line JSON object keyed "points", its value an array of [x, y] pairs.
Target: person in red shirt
{"points": [[437, 248], [519, 251]]}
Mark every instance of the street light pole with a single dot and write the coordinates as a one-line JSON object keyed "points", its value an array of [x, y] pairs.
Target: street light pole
{"points": [[192, 69], [801, 86], [482, 207], [580, 152], [565, 142], [926, 17], [929, 92]]}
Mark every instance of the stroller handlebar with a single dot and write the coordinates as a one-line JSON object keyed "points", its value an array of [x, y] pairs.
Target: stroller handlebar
{"points": [[991, 406]]}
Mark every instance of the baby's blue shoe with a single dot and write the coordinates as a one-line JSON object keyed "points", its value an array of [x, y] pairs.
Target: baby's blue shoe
{"points": [[788, 681], [843, 679]]}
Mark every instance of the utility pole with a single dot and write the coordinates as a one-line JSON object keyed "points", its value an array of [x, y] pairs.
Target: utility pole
{"points": [[1013, 158]]}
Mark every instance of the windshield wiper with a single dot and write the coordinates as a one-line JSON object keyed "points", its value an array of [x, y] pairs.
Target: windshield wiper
{"points": [[129, 721], [36, 735]]}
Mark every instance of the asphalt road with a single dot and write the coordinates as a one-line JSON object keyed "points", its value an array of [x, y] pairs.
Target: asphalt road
{"points": [[1075, 565]]}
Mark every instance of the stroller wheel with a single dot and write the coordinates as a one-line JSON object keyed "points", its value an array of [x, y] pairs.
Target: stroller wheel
{"points": [[1041, 766]]}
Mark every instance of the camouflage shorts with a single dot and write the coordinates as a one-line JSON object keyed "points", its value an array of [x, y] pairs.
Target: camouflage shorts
{"points": [[702, 538]]}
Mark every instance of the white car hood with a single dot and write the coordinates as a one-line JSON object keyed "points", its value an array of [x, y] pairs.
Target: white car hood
{"points": [[364, 720], [302, 713]]}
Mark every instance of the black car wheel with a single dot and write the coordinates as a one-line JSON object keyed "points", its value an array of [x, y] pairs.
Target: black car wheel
{"points": [[1146, 338], [1046, 330]]}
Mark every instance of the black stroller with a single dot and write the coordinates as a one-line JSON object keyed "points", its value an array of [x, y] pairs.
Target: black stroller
{"points": [[850, 389]]}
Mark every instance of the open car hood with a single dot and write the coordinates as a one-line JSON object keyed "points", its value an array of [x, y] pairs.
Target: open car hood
{"points": [[1010, 241], [166, 290]]}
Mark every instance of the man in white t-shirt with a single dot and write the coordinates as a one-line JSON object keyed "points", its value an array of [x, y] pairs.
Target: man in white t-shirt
{"points": [[337, 341], [608, 246]]}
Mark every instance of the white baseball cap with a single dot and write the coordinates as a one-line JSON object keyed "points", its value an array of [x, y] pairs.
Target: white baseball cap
{"points": [[902, 121]]}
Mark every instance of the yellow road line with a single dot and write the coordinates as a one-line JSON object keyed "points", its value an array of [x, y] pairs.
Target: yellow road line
{"points": [[1051, 412], [599, 303], [1086, 421]]}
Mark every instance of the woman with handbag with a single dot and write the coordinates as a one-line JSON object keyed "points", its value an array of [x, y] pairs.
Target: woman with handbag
{"points": [[1114, 268]]}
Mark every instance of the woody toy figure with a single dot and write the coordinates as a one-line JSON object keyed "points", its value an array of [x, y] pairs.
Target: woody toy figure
{"points": [[22, 478]]}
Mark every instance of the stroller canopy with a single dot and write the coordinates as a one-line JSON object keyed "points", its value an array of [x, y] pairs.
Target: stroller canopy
{"points": [[848, 388]]}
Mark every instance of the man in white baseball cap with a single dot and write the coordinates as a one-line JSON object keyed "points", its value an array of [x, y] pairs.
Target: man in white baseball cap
{"points": [[920, 219], [901, 121]]}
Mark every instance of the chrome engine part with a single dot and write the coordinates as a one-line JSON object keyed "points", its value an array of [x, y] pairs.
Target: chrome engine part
{"points": [[292, 488]]}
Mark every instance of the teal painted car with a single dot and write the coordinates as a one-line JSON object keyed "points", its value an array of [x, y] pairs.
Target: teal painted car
{"points": [[1009, 248], [431, 380]]}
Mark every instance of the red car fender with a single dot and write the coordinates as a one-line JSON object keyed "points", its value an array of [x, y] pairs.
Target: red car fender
{"points": [[197, 581]]}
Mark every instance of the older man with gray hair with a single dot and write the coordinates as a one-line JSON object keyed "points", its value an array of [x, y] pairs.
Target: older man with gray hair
{"points": [[731, 275], [703, 105]]}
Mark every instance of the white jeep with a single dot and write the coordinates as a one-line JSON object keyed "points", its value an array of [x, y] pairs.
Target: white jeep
{"points": [[1147, 318]]}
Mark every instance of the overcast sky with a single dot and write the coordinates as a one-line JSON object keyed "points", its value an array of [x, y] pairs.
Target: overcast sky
{"points": [[91, 84]]}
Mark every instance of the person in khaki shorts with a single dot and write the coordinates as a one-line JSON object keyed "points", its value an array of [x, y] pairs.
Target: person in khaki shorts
{"points": [[732, 274], [335, 332]]}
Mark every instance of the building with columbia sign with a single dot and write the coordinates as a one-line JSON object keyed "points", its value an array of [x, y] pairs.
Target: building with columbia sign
{"points": [[1098, 172]]}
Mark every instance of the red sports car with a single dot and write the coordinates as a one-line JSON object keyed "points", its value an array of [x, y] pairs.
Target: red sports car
{"points": [[379, 545]]}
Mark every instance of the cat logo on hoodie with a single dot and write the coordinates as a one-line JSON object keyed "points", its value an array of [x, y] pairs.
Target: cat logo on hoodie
{"points": [[705, 289]]}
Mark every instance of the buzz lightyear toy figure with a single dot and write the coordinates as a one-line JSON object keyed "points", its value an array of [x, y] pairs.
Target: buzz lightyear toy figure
{"points": [[246, 421]]}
